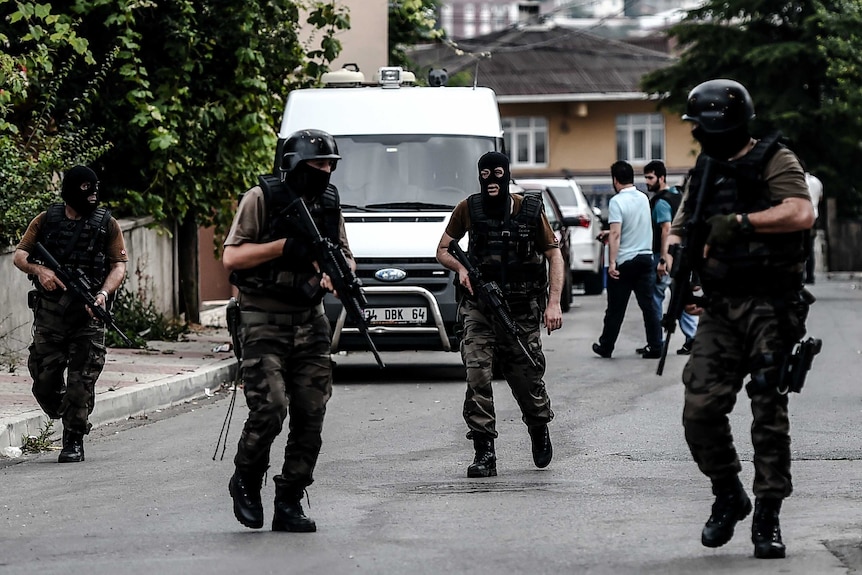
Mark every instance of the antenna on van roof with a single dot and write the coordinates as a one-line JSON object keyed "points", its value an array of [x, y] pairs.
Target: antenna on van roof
{"points": [[478, 56]]}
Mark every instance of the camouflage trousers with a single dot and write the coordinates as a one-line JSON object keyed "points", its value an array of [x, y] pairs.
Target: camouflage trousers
{"points": [[739, 337], [66, 358], [486, 341], [286, 370]]}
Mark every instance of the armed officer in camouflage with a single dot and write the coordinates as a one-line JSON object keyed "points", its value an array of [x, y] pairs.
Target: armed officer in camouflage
{"points": [[82, 236], [285, 336], [752, 236], [513, 244]]}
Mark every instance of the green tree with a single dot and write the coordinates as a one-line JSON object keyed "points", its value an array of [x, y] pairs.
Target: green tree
{"points": [[35, 144], [800, 60], [190, 107], [411, 22]]}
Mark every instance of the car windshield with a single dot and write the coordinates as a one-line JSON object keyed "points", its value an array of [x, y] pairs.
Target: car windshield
{"points": [[407, 172]]}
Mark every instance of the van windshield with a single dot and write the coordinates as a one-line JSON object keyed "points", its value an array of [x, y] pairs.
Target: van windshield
{"points": [[407, 172]]}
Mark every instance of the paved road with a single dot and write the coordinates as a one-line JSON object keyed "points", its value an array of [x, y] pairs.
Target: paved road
{"points": [[391, 496]]}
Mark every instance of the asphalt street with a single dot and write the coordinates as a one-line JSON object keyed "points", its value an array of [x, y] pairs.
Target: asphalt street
{"points": [[391, 493]]}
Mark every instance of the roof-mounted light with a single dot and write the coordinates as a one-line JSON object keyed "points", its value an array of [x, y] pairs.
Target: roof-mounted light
{"points": [[389, 76]]}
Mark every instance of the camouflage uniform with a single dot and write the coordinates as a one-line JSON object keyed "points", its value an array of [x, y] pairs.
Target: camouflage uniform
{"points": [[68, 350], [484, 341], [285, 368], [65, 337], [285, 338], [737, 336], [753, 315]]}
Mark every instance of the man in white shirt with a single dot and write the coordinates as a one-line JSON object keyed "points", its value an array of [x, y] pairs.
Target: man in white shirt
{"points": [[630, 268], [815, 190]]}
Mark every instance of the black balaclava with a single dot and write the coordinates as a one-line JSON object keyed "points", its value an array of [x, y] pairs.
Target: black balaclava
{"points": [[495, 205], [722, 145], [79, 183], [307, 180]]}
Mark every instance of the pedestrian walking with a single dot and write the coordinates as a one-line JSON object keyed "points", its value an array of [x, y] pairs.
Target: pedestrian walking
{"points": [[815, 190], [630, 268], [513, 245], [664, 204], [285, 337], [68, 350], [751, 260]]}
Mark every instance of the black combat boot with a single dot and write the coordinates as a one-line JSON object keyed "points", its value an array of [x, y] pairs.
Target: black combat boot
{"points": [[731, 505], [244, 487], [485, 462], [542, 450], [73, 447], [765, 530], [289, 515]]}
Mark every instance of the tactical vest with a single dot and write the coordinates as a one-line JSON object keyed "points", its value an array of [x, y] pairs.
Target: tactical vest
{"points": [[673, 200], [757, 263], [506, 250], [78, 244], [290, 279]]}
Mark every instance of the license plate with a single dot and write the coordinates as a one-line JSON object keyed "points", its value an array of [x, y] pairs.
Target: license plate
{"points": [[390, 315]]}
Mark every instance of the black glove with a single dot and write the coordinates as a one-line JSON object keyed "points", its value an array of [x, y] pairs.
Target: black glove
{"points": [[723, 229], [294, 249]]}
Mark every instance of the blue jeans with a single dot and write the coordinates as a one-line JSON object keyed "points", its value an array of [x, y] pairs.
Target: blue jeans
{"points": [[687, 323]]}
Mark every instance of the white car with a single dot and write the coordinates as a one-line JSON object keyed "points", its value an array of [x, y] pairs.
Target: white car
{"points": [[586, 261]]}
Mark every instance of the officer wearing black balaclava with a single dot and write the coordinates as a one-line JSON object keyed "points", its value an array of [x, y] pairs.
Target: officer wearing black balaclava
{"points": [[301, 148], [68, 350], [285, 336], [494, 179], [80, 190]]}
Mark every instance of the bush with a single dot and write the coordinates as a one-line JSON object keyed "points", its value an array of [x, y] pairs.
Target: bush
{"points": [[141, 321]]}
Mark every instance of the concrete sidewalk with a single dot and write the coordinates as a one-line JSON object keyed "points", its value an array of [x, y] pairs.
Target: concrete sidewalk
{"points": [[133, 382]]}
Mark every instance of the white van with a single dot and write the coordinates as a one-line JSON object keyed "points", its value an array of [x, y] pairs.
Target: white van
{"points": [[409, 155]]}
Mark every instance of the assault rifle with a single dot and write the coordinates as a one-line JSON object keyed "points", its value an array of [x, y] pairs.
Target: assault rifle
{"points": [[332, 262], [684, 255], [491, 294], [78, 284]]}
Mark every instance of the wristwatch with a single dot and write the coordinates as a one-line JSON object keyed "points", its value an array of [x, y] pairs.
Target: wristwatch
{"points": [[745, 224], [104, 293]]}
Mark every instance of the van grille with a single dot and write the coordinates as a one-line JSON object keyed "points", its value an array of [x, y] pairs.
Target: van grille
{"points": [[422, 272]]}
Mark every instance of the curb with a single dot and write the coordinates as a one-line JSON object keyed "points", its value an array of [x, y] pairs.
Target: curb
{"points": [[844, 276], [130, 401]]}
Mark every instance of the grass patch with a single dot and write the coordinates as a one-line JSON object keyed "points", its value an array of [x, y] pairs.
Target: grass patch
{"points": [[39, 443]]}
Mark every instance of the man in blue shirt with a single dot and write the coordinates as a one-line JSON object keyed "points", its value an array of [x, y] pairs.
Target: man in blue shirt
{"points": [[664, 202], [630, 268]]}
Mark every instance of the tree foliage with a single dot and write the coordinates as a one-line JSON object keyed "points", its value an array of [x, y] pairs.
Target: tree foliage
{"points": [[411, 22], [176, 104], [802, 63]]}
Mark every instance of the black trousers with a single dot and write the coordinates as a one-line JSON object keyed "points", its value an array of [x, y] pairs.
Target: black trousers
{"points": [[636, 275]]}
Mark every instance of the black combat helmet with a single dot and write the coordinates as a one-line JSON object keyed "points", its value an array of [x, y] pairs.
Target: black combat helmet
{"points": [[304, 145], [719, 106]]}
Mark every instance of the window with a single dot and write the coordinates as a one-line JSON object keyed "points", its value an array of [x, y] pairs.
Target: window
{"points": [[640, 137], [469, 24], [526, 141]]}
